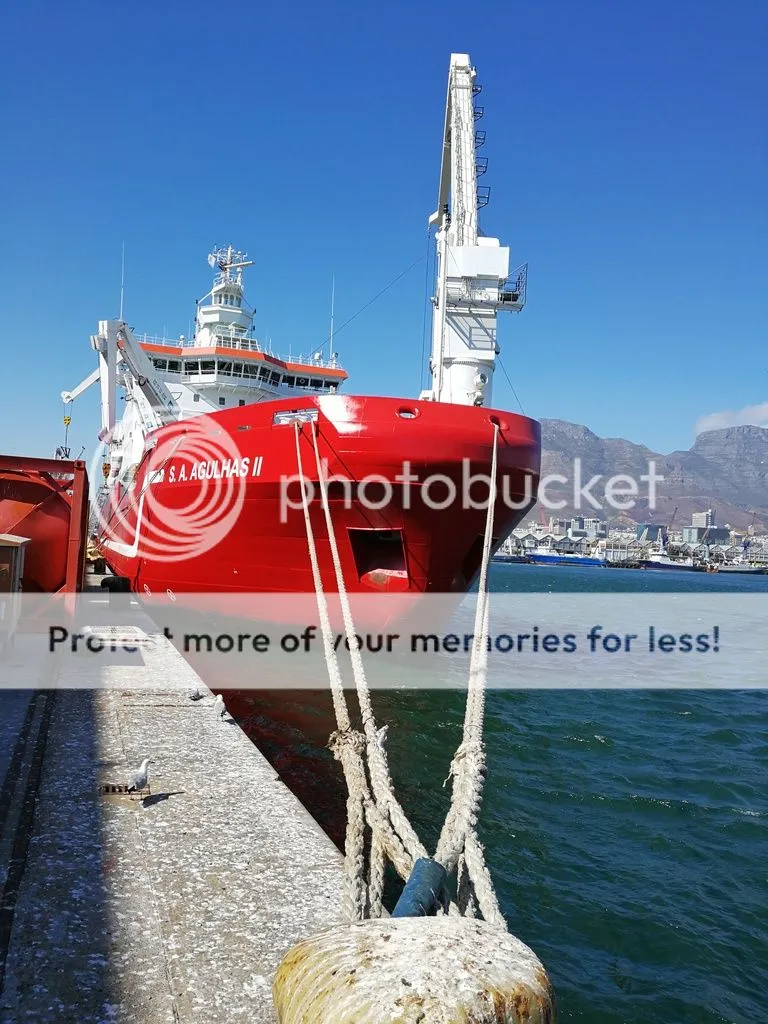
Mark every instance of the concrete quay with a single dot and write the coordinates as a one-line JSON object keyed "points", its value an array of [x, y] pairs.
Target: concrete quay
{"points": [[172, 909]]}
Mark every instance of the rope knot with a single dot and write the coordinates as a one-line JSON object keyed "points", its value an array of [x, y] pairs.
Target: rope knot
{"points": [[346, 741], [473, 753]]}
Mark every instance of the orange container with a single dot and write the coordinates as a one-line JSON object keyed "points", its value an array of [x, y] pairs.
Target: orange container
{"points": [[46, 500]]}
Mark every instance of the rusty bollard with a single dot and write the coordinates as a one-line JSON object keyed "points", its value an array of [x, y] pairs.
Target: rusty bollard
{"points": [[430, 970]]}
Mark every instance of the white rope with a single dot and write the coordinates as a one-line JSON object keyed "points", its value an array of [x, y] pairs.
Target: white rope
{"points": [[468, 765], [377, 759], [372, 799], [360, 899], [337, 686]]}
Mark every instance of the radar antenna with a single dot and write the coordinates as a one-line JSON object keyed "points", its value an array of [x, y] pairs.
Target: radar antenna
{"points": [[229, 259]]}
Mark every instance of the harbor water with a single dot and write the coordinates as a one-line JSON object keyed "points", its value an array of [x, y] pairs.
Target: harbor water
{"points": [[627, 831]]}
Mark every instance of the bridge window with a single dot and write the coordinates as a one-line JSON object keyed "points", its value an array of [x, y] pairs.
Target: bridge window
{"points": [[274, 378], [192, 366], [237, 369], [208, 366], [316, 383], [302, 382], [263, 373], [174, 365], [290, 381]]}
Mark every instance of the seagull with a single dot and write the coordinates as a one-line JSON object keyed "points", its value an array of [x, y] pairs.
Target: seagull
{"points": [[381, 736], [221, 708], [138, 781]]}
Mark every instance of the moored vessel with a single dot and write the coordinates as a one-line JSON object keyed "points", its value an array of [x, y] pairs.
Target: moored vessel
{"points": [[661, 560], [204, 471], [546, 556]]}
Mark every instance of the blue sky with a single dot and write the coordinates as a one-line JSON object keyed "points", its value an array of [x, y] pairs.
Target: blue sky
{"points": [[627, 163]]}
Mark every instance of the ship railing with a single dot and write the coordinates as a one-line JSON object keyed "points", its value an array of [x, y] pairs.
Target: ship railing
{"points": [[232, 340], [514, 288], [309, 361], [229, 339], [154, 339], [245, 344], [229, 277]]}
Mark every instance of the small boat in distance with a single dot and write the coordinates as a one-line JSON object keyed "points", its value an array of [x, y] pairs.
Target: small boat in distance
{"points": [[547, 556], [739, 568], [661, 560]]}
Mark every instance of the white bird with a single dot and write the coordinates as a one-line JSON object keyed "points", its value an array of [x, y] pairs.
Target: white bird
{"points": [[138, 781], [221, 707]]}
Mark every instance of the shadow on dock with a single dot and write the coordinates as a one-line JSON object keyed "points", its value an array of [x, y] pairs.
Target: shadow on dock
{"points": [[56, 928]]}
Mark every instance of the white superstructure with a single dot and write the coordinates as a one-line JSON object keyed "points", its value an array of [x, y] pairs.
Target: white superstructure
{"points": [[221, 366], [473, 280]]}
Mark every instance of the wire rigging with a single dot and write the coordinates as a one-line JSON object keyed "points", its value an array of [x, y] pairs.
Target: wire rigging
{"points": [[512, 386], [378, 295]]}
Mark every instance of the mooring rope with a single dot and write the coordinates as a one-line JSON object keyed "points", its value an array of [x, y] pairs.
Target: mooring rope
{"points": [[371, 798], [377, 758]]}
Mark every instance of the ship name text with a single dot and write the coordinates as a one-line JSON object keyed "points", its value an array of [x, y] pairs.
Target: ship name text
{"points": [[216, 469]]}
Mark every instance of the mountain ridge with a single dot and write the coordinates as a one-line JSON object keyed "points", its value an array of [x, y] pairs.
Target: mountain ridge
{"points": [[725, 469]]}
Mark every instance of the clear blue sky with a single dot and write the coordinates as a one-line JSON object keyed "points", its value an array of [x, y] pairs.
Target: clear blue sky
{"points": [[627, 161]]}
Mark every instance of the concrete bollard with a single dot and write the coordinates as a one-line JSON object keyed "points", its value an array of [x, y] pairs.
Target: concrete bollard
{"points": [[430, 970]]}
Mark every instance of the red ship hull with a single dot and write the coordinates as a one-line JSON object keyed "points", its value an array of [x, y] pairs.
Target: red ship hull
{"points": [[238, 468]]}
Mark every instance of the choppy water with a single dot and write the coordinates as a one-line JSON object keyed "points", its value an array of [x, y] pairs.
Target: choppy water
{"points": [[627, 832]]}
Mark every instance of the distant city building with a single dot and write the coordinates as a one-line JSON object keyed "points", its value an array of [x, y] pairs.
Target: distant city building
{"points": [[703, 519], [559, 526], [594, 527], [579, 526], [707, 534], [651, 532]]}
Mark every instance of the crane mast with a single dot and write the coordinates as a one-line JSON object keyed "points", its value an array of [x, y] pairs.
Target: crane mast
{"points": [[120, 357], [119, 351], [473, 280]]}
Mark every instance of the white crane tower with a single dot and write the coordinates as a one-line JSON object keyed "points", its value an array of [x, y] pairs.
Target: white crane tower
{"points": [[473, 280]]}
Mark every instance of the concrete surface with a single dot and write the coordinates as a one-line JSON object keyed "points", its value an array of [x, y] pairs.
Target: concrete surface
{"points": [[12, 711], [174, 909]]}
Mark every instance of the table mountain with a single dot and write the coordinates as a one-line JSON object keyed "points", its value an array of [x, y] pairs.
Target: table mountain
{"points": [[726, 470]]}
